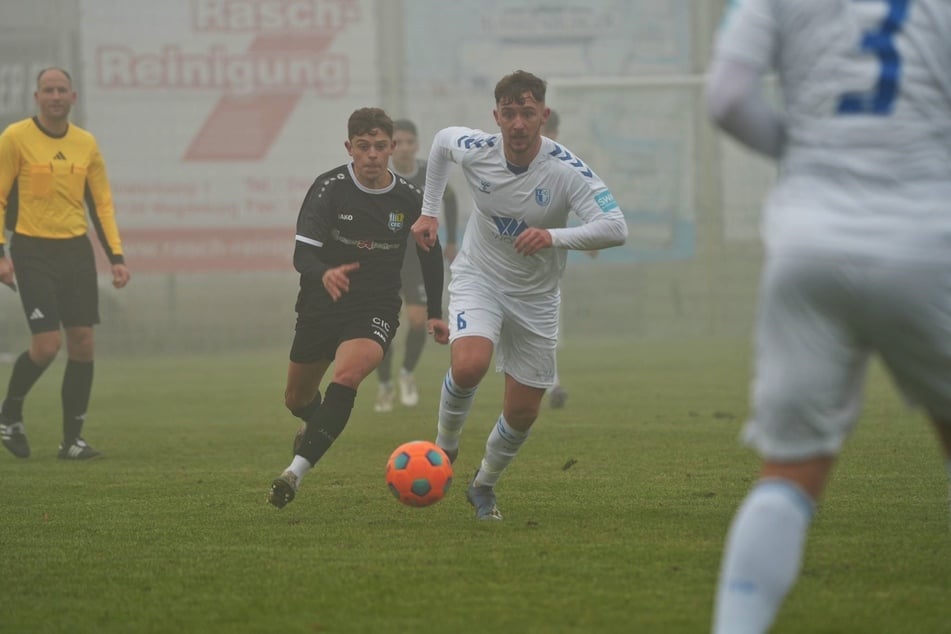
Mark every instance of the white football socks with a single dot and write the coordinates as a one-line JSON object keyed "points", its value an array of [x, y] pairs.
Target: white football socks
{"points": [[454, 405], [762, 558], [300, 466], [500, 449]]}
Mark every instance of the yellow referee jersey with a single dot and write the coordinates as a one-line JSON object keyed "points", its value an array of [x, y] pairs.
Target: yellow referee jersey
{"points": [[50, 178]]}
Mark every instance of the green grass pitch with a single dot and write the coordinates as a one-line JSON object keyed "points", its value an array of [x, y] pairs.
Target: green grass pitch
{"points": [[615, 511]]}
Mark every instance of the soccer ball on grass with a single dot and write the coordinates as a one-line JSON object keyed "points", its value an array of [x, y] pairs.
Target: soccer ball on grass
{"points": [[418, 473]]}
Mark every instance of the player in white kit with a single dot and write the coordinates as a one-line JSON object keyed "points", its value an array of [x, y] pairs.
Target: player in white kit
{"points": [[504, 294], [858, 250]]}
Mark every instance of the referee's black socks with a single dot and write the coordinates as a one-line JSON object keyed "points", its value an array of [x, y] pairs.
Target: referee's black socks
{"points": [[77, 386], [25, 374]]}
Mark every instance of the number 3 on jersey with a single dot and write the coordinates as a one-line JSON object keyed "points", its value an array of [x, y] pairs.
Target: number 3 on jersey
{"points": [[881, 44]]}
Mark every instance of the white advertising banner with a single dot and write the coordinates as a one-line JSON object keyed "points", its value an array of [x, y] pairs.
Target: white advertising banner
{"points": [[215, 116]]}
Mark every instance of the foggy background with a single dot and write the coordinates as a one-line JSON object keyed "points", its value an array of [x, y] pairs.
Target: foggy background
{"points": [[214, 116]]}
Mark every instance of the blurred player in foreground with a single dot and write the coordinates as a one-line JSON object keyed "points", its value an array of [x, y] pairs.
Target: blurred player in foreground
{"points": [[351, 234], [504, 295], [404, 163], [50, 172], [857, 233]]}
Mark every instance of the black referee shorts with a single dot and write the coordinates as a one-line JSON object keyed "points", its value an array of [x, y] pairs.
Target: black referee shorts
{"points": [[56, 280]]}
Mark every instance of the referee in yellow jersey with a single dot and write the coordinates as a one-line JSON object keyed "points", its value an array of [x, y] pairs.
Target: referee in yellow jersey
{"points": [[50, 173]]}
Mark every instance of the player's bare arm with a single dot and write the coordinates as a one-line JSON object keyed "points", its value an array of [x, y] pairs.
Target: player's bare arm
{"points": [[439, 329], [533, 240], [425, 231], [337, 279]]}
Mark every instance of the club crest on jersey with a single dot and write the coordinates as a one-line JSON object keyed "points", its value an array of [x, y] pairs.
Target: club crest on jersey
{"points": [[543, 196], [484, 186], [396, 221]]}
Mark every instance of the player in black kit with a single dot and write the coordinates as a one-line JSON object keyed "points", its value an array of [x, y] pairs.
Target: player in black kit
{"points": [[351, 236]]}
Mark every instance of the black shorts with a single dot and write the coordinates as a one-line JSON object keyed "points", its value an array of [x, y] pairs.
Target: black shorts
{"points": [[317, 337], [57, 281], [413, 289]]}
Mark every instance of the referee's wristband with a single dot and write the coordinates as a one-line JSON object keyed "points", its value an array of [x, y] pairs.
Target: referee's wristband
{"points": [[2, 254]]}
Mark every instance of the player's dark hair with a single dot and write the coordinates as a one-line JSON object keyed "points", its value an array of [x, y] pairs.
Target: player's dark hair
{"points": [[365, 120], [40, 74], [405, 125], [511, 88]]}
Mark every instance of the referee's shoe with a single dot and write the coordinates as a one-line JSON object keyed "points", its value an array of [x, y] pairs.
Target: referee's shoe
{"points": [[13, 436], [79, 450]]}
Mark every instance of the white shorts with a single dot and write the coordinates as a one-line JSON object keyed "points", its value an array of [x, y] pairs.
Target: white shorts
{"points": [[820, 319], [524, 331]]}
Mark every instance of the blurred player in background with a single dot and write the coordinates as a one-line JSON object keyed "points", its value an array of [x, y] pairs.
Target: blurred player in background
{"points": [[404, 163], [50, 172], [558, 395], [857, 232], [351, 234], [504, 295]]}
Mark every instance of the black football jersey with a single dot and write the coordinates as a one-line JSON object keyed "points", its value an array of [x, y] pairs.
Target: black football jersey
{"points": [[347, 222]]}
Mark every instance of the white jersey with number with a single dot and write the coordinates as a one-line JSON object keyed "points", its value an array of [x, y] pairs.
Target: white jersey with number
{"points": [[508, 201], [867, 90]]}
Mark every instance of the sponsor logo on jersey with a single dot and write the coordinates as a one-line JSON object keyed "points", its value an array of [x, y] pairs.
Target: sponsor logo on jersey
{"points": [[371, 245], [380, 328], [606, 201], [344, 216], [509, 227], [396, 220], [543, 196]]}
